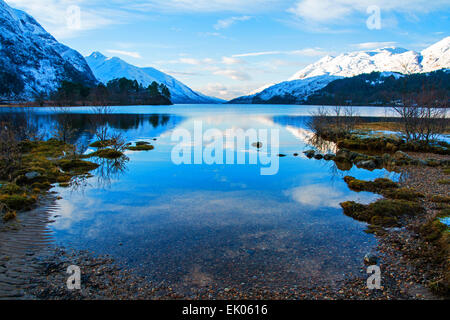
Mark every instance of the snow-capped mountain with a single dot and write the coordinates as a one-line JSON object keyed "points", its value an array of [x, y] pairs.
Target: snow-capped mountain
{"points": [[318, 75], [34, 60], [106, 69]]}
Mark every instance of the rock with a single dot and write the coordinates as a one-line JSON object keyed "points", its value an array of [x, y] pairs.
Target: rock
{"points": [[386, 158], [281, 155], [310, 153], [343, 154], [369, 164], [32, 175], [400, 155], [370, 259], [329, 156], [257, 145], [295, 154], [318, 156]]}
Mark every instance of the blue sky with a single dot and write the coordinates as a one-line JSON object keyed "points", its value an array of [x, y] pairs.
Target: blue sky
{"points": [[228, 48]]}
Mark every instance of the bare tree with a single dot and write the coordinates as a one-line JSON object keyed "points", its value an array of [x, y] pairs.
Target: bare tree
{"points": [[100, 122], [64, 129], [423, 115]]}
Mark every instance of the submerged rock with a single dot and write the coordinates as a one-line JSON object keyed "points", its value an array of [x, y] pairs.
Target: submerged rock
{"points": [[310, 153], [318, 156], [32, 175], [370, 259]]}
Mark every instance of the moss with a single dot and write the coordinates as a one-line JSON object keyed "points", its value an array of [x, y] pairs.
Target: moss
{"points": [[101, 144], [77, 166], [9, 215], [377, 185], [142, 143], [17, 202], [440, 199], [145, 147], [107, 154], [433, 230], [403, 194], [382, 212], [446, 171], [444, 182], [42, 186], [64, 185], [11, 188]]}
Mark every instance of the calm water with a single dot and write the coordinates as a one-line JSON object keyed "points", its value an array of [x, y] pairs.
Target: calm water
{"points": [[222, 225]]}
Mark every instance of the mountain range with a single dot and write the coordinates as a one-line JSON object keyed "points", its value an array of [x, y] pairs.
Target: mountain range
{"points": [[32, 61], [328, 69], [106, 69], [34, 64]]}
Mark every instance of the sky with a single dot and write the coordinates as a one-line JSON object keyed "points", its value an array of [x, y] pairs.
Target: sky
{"points": [[229, 48]]}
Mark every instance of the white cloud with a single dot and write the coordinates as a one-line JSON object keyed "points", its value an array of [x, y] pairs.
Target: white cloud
{"points": [[374, 45], [311, 52], [223, 91], [125, 53], [57, 18], [233, 74], [231, 60], [237, 6], [335, 11], [226, 23]]}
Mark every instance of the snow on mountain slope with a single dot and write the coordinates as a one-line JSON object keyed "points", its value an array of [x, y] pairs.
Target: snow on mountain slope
{"points": [[106, 69], [35, 58], [437, 56], [317, 75]]}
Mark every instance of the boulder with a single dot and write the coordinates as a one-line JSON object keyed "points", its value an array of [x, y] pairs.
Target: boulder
{"points": [[400, 155], [318, 156], [370, 259], [310, 153], [32, 175], [329, 156], [368, 164]]}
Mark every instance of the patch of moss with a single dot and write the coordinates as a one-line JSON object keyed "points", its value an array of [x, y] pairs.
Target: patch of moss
{"points": [[11, 188], [142, 143], [18, 202], [9, 215], [144, 147], [444, 182], [440, 199], [107, 154], [446, 171], [403, 194], [77, 166], [382, 212], [101, 144], [377, 185]]}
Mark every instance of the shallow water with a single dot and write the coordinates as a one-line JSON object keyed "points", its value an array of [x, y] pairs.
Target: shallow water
{"points": [[218, 225]]}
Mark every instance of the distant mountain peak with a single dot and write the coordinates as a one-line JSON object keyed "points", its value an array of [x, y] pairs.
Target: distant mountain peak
{"points": [[109, 68], [34, 58], [392, 60], [97, 55]]}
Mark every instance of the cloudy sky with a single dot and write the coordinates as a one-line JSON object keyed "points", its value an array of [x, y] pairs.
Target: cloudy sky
{"points": [[229, 48]]}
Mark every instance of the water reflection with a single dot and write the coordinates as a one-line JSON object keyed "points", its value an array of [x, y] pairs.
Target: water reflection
{"points": [[191, 225]]}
